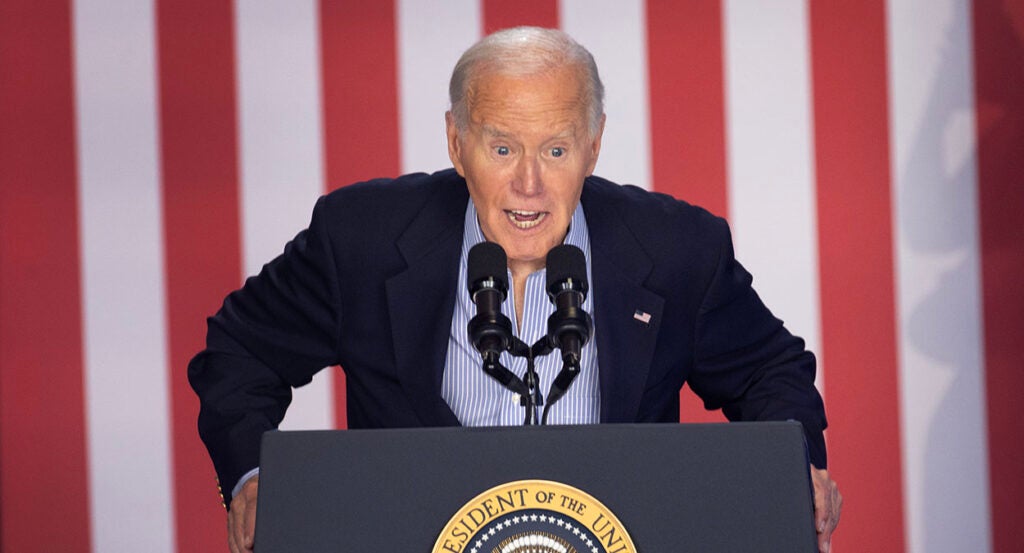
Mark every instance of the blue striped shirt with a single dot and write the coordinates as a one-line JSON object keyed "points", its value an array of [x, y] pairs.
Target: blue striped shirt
{"points": [[479, 400]]}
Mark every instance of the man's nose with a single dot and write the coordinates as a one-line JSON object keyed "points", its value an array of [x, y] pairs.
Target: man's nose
{"points": [[528, 178]]}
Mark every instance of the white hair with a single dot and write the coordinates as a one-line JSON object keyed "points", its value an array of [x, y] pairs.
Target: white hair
{"points": [[525, 51]]}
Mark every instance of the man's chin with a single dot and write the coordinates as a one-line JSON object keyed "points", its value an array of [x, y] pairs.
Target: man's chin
{"points": [[531, 261]]}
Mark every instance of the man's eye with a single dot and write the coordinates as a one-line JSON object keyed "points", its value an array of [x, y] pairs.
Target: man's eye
{"points": [[557, 152], [502, 150]]}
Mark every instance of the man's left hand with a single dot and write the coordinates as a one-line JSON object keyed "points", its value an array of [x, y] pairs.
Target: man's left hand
{"points": [[828, 504]]}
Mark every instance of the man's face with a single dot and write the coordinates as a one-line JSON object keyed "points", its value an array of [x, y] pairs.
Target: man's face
{"points": [[524, 155]]}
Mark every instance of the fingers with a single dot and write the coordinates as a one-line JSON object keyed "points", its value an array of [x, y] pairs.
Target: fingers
{"points": [[240, 537], [828, 506], [242, 518], [233, 529], [249, 524]]}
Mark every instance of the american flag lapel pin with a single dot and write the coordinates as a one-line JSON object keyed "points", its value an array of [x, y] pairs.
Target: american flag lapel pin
{"points": [[642, 316]]}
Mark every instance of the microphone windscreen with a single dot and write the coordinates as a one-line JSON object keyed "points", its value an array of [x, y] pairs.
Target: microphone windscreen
{"points": [[487, 260], [566, 263]]}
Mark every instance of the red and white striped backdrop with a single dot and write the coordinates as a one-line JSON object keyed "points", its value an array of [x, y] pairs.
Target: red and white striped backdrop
{"points": [[868, 155]]}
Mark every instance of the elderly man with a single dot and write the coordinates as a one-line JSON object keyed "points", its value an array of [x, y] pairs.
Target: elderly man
{"points": [[377, 284]]}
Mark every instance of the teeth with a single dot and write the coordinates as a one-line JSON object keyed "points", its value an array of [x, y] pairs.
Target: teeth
{"points": [[525, 219]]}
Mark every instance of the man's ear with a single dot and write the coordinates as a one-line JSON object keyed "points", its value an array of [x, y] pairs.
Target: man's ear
{"points": [[595, 146], [454, 147]]}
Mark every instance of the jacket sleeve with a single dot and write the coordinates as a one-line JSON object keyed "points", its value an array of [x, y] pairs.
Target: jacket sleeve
{"points": [[273, 334], [747, 363]]}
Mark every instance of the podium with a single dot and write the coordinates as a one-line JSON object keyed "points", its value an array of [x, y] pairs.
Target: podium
{"points": [[673, 487]]}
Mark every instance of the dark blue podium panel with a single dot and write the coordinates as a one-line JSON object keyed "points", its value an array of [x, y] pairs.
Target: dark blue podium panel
{"points": [[674, 488]]}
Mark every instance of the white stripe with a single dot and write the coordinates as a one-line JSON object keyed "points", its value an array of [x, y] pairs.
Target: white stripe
{"points": [[935, 204], [615, 32], [126, 381], [772, 201], [431, 37], [281, 157]]}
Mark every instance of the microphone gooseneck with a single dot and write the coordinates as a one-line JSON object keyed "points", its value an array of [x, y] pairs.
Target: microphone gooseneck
{"points": [[569, 327]]}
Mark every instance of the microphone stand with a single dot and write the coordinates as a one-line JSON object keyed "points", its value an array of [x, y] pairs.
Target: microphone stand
{"points": [[539, 348], [528, 387], [528, 398], [569, 327]]}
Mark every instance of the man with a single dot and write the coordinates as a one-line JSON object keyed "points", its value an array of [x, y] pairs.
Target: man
{"points": [[377, 284]]}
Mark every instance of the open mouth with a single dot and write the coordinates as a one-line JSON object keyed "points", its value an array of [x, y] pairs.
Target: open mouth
{"points": [[525, 219]]}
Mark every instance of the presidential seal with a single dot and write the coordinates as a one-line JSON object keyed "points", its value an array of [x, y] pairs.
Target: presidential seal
{"points": [[534, 516]]}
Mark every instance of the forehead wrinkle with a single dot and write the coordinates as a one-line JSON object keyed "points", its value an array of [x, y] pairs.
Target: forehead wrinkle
{"points": [[502, 106], [537, 109]]}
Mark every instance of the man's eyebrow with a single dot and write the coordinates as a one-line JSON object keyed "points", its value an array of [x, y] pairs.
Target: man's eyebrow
{"points": [[492, 131], [498, 133]]}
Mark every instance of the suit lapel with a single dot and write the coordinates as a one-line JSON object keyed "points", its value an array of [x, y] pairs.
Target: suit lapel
{"points": [[625, 342], [421, 300]]}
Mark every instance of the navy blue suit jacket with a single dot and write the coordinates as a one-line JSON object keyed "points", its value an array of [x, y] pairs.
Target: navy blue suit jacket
{"points": [[371, 285]]}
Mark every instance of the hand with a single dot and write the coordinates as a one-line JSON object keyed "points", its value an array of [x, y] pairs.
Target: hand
{"points": [[242, 517], [828, 503]]}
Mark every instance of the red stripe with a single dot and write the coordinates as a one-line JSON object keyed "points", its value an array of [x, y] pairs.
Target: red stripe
{"points": [[501, 14], [360, 92], [201, 229], [360, 104], [999, 95], [858, 309], [684, 51], [42, 407]]}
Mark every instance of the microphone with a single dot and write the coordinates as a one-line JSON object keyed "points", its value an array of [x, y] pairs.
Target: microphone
{"points": [[569, 327], [490, 331]]}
